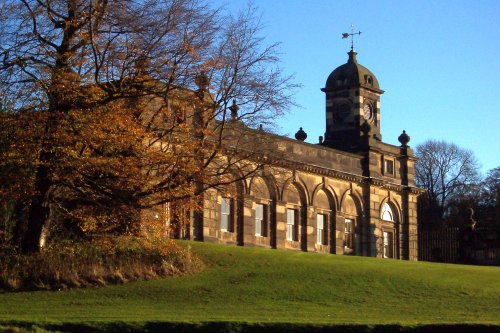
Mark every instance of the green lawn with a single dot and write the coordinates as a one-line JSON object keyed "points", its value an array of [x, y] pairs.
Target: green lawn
{"points": [[252, 285]]}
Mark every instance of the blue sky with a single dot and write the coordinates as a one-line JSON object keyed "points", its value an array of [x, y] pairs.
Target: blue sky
{"points": [[438, 62]]}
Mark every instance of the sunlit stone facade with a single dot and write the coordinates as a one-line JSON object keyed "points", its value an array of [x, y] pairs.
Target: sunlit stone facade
{"points": [[350, 194]]}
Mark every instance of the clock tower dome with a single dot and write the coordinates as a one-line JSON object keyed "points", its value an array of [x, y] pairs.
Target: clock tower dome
{"points": [[352, 98]]}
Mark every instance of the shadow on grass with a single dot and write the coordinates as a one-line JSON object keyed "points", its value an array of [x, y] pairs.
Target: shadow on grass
{"points": [[232, 327]]}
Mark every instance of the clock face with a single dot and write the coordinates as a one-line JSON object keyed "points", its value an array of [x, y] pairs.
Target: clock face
{"points": [[367, 111]]}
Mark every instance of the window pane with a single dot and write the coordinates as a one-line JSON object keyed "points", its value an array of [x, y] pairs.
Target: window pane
{"points": [[290, 224], [388, 251], [389, 167], [320, 219], [224, 223], [225, 211], [387, 214], [290, 216], [225, 206], [320, 229], [259, 211], [348, 236], [258, 227], [259, 219]]}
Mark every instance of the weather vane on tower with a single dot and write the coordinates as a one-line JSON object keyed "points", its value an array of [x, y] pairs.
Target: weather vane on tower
{"points": [[346, 35]]}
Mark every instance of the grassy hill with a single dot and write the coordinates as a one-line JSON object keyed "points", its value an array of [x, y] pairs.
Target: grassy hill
{"points": [[253, 287]]}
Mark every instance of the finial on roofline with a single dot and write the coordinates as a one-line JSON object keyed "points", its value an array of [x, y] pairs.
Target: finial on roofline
{"points": [[234, 110], [301, 135]]}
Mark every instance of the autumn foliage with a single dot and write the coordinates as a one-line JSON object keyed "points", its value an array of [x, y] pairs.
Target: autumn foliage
{"points": [[113, 107]]}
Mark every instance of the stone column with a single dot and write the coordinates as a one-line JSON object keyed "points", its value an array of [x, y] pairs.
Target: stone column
{"points": [[405, 223], [405, 230]]}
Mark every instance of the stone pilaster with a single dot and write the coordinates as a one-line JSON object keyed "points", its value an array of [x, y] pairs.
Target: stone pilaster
{"points": [[240, 221], [272, 224], [367, 227], [280, 224], [405, 230], [303, 222], [337, 234]]}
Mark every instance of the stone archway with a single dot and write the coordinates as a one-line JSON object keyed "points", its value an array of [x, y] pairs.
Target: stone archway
{"points": [[390, 230], [352, 225], [294, 222], [263, 221], [227, 223], [324, 221]]}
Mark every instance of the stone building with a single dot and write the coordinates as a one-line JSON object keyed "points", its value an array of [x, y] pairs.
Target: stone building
{"points": [[349, 194]]}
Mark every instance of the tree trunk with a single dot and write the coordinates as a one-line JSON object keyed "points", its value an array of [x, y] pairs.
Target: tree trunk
{"points": [[39, 210]]}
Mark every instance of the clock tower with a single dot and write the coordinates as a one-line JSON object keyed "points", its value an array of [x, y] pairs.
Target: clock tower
{"points": [[352, 98]]}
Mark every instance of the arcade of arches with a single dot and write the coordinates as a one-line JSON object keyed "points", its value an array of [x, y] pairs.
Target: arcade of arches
{"points": [[307, 212]]}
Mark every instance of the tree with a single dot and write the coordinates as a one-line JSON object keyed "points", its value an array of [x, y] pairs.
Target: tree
{"points": [[488, 199], [491, 188], [109, 111], [446, 171]]}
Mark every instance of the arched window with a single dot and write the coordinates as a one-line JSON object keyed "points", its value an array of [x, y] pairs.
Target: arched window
{"points": [[387, 214], [260, 191], [351, 230], [294, 218], [349, 235], [323, 212], [388, 233]]}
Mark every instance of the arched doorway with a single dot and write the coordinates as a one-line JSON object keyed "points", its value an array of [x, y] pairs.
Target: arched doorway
{"points": [[352, 226], [229, 222], [390, 230], [263, 222], [295, 217], [324, 221]]}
